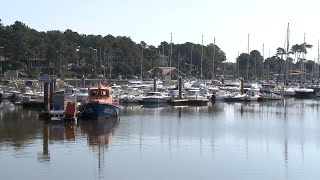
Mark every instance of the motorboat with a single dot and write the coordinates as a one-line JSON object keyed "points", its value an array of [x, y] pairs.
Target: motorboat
{"points": [[99, 104], [195, 97], [82, 94], [154, 97], [251, 95]]}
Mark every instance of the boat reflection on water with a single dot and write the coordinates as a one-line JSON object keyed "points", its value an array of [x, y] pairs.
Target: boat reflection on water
{"points": [[154, 105], [7, 105], [99, 134], [99, 131]]}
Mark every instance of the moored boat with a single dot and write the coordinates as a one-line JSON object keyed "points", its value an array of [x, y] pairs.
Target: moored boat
{"points": [[304, 93], [82, 94], [99, 104], [154, 97]]}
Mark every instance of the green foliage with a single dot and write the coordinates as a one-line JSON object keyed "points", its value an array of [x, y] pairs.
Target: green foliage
{"points": [[94, 54], [32, 72]]}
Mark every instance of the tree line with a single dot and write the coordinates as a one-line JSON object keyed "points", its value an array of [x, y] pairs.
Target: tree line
{"points": [[286, 64], [70, 54]]}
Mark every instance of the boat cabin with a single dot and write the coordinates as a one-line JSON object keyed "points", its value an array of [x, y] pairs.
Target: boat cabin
{"points": [[193, 92], [99, 92]]}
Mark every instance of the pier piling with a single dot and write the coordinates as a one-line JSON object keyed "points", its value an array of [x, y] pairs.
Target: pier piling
{"points": [[180, 88], [46, 97]]}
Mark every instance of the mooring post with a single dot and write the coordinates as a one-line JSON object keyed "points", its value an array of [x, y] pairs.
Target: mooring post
{"points": [[52, 89], [154, 84], [180, 88], [46, 96], [83, 81], [241, 85]]}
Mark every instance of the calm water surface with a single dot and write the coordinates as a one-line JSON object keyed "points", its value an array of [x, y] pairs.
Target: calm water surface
{"points": [[266, 140]]}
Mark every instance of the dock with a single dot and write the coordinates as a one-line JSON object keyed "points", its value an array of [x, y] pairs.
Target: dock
{"points": [[178, 102], [31, 104], [190, 102]]}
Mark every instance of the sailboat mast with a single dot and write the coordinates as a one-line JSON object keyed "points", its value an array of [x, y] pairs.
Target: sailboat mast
{"points": [[201, 58], [303, 58], [269, 65], [248, 58], [141, 63], [191, 54], [286, 56], [213, 55], [179, 61], [170, 54], [171, 50], [317, 64], [238, 64], [262, 60], [163, 55]]}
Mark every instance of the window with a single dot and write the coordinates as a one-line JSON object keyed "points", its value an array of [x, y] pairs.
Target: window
{"points": [[93, 93]]}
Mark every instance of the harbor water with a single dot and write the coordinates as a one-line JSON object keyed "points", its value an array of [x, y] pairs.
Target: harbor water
{"points": [[250, 141]]}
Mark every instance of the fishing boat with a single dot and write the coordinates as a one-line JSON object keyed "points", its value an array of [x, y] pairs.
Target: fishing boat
{"points": [[99, 104]]}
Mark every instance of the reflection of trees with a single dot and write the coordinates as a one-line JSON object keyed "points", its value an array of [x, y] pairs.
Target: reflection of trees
{"points": [[17, 125]]}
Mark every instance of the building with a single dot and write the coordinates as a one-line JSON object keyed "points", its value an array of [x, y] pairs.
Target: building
{"points": [[166, 73]]}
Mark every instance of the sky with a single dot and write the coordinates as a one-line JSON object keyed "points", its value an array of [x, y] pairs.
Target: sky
{"points": [[152, 21]]}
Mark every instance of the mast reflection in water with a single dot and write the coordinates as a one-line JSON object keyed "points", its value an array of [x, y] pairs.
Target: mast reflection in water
{"points": [[260, 140]]}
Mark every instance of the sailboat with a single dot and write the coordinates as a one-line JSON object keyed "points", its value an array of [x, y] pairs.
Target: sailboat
{"points": [[302, 91]]}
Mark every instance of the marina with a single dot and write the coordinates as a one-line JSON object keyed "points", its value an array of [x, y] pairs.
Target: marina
{"points": [[185, 142], [104, 95]]}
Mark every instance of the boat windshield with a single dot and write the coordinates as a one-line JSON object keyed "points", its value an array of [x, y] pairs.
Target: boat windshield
{"points": [[83, 90], [99, 93]]}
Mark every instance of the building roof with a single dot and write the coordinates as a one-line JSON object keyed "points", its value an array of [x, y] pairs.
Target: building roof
{"points": [[167, 70]]}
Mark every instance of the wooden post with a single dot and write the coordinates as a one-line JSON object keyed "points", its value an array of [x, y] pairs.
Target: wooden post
{"points": [[154, 84], [52, 89], [180, 88], [46, 97], [83, 81], [241, 85]]}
